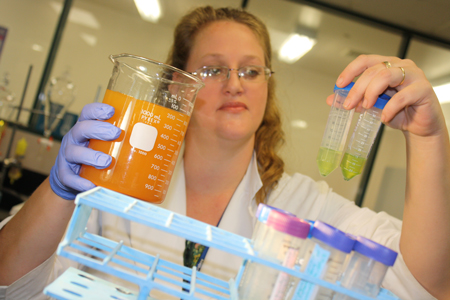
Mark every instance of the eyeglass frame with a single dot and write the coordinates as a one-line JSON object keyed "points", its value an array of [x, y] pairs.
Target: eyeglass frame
{"points": [[267, 72]]}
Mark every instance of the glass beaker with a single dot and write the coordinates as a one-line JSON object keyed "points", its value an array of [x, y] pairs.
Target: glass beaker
{"points": [[338, 125], [153, 103]]}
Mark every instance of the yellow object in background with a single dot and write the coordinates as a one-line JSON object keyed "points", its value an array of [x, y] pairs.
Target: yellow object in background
{"points": [[2, 127], [15, 172], [21, 147]]}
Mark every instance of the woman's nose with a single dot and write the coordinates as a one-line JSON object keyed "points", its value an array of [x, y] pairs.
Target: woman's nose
{"points": [[233, 84]]}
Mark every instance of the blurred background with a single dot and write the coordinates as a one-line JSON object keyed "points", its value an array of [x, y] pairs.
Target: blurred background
{"points": [[61, 48]]}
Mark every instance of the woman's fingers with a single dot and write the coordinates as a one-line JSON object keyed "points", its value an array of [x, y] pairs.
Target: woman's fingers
{"points": [[413, 97], [82, 155], [68, 179], [357, 67], [374, 82], [378, 76], [96, 111], [89, 129]]}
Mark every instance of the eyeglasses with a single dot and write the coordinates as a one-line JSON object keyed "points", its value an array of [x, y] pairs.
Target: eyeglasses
{"points": [[220, 73]]}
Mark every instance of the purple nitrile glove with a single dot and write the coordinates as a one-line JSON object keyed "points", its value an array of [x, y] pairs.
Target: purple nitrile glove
{"points": [[64, 179]]}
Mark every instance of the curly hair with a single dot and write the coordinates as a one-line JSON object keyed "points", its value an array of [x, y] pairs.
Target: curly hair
{"points": [[269, 136]]}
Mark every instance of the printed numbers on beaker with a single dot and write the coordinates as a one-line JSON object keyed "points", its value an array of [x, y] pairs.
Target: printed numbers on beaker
{"points": [[165, 136], [160, 146], [167, 126], [170, 116], [174, 106], [152, 177], [149, 187], [157, 156], [155, 167]]}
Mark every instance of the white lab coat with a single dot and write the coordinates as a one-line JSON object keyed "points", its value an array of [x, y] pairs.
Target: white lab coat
{"points": [[298, 194]]}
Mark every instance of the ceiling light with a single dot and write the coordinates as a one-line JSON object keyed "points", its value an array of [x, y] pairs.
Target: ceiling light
{"points": [[90, 39], [150, 10], [443, 92], [297, 45], [37, 47], [299, 124]]}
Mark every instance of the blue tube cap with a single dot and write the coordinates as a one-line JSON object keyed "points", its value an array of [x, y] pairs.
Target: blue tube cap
{"points": [[375, 251], [347, 88], [332, 237], [382, 101]]}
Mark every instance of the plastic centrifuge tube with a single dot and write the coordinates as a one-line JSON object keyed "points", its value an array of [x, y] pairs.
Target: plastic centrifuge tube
{"points": [[333, 141], [362, 139]]}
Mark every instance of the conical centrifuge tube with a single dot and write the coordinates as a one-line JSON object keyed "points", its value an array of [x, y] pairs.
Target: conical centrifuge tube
{"points": [[362, 139], [338, 125]]}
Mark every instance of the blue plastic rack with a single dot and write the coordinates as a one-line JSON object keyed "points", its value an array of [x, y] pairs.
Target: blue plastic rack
{"points": [[150, 272]]}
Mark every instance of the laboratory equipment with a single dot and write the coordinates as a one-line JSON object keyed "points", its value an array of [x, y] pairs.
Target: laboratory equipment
{"points": [[60, 95], [280, 244], [367, 268], [325, 259], [153, 103], [113, 258], [335, 135], [362, 139], [14, 164], [6, 98]]}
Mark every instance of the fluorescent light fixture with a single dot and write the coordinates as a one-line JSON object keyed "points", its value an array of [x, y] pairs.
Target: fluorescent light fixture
{"points": [[443, 92], [150, 10], [37, 47], [90, 39], [295, 47], [299, 124]]}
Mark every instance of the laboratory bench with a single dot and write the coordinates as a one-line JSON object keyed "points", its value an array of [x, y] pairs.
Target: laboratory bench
{"points": [[17, 192]]}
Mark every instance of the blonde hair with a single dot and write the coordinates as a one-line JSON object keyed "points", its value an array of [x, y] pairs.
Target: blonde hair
{"points": [[269, 136]]}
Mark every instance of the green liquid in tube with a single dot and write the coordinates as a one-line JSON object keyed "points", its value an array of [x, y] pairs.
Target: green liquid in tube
{"points": [[328, 160], [352, 165]]}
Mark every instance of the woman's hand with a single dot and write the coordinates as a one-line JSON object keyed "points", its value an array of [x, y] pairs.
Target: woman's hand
{"points": [[413, 108], [64, 179]]}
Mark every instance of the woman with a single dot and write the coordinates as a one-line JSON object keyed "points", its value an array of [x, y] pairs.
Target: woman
{"points": [[229, 165]]}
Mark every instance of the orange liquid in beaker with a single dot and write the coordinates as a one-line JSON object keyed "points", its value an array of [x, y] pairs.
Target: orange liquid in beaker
{"points": [[145, 154]]}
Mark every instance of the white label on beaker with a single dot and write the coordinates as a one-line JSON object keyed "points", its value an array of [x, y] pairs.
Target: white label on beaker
{"points": [[316, 266], [143, 136]]}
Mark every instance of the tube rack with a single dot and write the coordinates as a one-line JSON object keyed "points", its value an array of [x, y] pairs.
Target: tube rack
{"points": [[124, 262]]}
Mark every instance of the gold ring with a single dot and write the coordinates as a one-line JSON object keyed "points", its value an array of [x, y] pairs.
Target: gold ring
{"points": [[404, 75], [387, 64]]}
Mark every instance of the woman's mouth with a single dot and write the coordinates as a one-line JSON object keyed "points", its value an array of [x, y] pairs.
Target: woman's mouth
{"points": [[233, 106]]}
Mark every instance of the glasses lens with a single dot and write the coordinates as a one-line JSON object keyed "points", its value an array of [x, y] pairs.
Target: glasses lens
{"points": [[213, 73], [253, 73], [248, 73]]}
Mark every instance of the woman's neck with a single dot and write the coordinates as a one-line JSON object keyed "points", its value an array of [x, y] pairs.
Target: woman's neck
{"points": [[213, 171]]}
